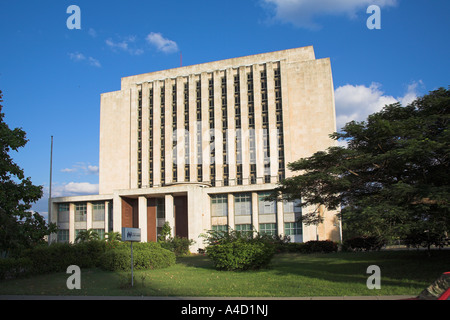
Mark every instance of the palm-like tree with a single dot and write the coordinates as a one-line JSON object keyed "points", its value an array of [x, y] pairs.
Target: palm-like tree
{"points": [[112, 236], [87, 235]]}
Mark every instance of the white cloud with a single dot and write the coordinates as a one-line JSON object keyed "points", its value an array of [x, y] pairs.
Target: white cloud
{"points": [[77, 57], [302, 13], [74, 189], [82, 168], [125, 44], [92, 33], [356, 102], [94, 62], [161, 43]]}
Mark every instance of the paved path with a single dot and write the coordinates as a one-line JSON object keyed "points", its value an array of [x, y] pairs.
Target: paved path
{"points": [[37, 297]]}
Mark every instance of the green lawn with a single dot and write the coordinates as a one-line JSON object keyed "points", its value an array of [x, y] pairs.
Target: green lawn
{"points": [[290, 275]]}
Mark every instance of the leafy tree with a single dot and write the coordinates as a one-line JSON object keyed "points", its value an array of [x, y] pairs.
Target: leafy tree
{"points": [[112, 236], [19, 227], [87, 235], [392, 178]]}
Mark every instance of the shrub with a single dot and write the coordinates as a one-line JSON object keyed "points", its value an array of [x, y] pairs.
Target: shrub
{"points": [[145, 256], [365, 243], [179, 246], [323, 246], [236, 250], [240, 255], [11, 268]]}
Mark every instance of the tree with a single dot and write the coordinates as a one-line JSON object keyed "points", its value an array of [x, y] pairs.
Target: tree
{"points": [[112, 236], [87, 235], [392, 178], [19, 227]]}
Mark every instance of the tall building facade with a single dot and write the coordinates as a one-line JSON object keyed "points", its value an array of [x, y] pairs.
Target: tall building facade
{"points": [[201, 146]]}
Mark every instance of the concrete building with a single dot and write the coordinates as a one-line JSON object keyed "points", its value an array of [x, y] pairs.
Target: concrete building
{"points": [[200, 146]]}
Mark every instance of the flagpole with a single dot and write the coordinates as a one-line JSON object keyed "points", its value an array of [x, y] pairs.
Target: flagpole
{"points": [[50, 188]]}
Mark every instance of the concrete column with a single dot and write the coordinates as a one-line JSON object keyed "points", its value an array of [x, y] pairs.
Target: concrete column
{"points": [[231, 223], [106, 216], [280, 219], [117, 213], [72, 223], [170, 213], [88, 215], [255, 211], [142, 211]]}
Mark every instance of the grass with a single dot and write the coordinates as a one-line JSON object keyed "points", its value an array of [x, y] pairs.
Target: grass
{"points": [[290, 275]]}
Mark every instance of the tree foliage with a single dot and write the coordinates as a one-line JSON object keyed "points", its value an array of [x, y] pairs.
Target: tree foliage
{"points": [[392, 178], [19, 227]]}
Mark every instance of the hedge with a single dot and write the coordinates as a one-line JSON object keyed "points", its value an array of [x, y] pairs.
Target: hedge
{"points": [[313, 246], [145, 256], [240, 255], [58, 256]]}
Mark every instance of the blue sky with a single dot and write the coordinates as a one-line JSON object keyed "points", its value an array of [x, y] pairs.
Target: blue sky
{"points": [[52, 77]]}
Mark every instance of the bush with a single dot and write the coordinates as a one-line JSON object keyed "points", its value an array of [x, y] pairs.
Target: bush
{"points": [[240, 255], [322, 246], [11, 268], [365, 243], [179, 246], [145, 256], [236, 250]]}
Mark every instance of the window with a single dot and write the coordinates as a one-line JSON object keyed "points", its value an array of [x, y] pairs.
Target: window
{"points": [[244, 229], [80, 212], [222, 228], [268, 228], [101, 233], [292, 206], [292, 228], [219, 205], [63, 212], [160, 208], [242, 204], [98, 211], [63, 235], [264, 206]]}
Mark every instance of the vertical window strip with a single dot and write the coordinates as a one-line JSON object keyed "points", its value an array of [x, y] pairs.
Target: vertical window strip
{"points": [[212, 154], [199, 131], [251, 125], [237, 118], [224, 130], [174, 137], [279, 124], [150, 132], [265, 126], [139, 142], [163, 135], [187, 170]]}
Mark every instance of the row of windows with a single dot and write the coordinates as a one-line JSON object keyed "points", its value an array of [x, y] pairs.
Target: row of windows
{"points": [[290, 228], [98, 212], [238, 124], [243, 205], [63, 234]]}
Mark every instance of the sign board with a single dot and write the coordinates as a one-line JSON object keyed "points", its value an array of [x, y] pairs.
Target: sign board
{"points": [[131, 234]]}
